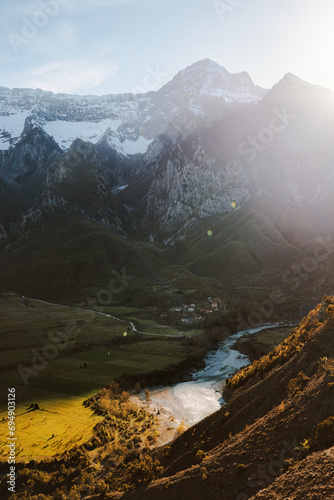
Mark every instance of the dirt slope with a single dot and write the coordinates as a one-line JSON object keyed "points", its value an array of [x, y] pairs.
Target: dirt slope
{"points": [[253, 440]]}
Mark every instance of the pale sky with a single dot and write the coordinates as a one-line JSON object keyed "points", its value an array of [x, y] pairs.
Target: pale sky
{"points": [[112, 46]]}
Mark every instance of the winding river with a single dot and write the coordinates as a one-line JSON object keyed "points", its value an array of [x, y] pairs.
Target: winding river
{"points": [[190, 402]]}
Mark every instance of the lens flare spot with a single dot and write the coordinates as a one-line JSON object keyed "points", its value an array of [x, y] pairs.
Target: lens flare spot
{"points": [[233, 205], [125, 334], [209, 233]]}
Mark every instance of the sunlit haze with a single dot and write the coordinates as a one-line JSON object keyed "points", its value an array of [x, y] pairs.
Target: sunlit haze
{"points": [[80, 46]]}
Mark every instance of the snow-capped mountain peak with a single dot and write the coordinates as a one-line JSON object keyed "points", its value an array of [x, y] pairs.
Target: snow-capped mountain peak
{"points": [[291, 78], [130, 121], [207, 78]]}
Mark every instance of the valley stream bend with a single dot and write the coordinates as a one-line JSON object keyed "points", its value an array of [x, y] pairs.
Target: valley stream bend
{"points": [[190, 402]]}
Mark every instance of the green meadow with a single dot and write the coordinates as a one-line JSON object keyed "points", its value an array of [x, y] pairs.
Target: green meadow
{"points": [[273, 336], [55, 357]]}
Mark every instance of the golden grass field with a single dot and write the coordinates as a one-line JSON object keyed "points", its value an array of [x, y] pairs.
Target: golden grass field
{"points": [[63, 417]]}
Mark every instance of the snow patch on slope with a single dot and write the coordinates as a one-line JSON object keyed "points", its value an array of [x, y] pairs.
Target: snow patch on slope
{"points": [[231, 97], [11, 128], [131, 147], [65, 133]]}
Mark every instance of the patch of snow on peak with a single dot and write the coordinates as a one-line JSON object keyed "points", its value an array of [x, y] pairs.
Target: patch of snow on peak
{"points": [[290, 77], [65, 132], [118, 189], [11, 128], [231, 97], [129, 147]]}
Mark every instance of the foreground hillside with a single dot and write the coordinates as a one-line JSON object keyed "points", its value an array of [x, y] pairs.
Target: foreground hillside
{"points": [[274, 433]]}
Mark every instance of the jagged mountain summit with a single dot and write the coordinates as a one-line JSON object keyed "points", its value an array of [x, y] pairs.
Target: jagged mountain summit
{"points": [[130, 122], [226, 179], [209, 78]]}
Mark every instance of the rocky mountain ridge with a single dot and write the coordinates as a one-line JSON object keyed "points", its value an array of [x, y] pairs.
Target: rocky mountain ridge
{"points": [[222, 182], [130, 121]]}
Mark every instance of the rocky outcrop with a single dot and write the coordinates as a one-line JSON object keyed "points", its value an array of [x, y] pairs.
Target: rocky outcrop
{"points": [[30, 155], [189, 185]]}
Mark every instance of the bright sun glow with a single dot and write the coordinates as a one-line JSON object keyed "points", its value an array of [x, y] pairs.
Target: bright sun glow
{"points": [[314, 46]]}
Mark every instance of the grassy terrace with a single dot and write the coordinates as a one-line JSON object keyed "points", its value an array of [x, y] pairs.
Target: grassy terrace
{"points": [[273, 336], [94, 351]]}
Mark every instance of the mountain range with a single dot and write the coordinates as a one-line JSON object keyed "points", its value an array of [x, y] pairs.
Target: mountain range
{"points": [[210, 185]]}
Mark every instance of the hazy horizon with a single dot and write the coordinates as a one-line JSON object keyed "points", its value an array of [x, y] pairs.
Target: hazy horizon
{"points": [[67, 46]]}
